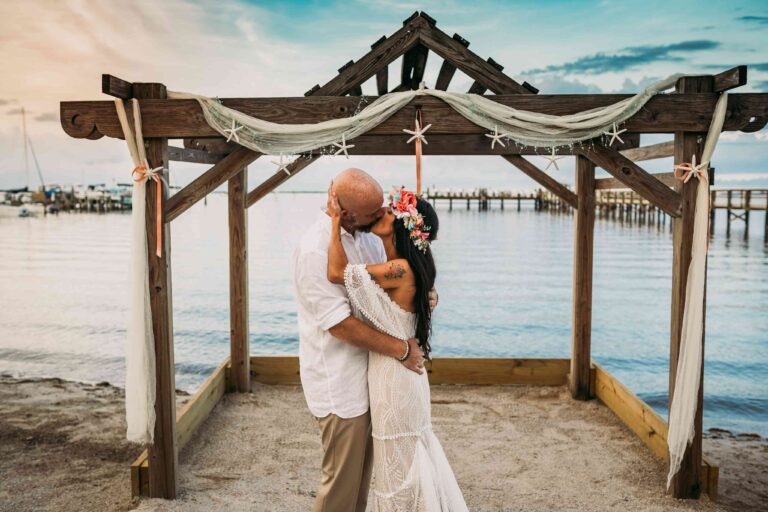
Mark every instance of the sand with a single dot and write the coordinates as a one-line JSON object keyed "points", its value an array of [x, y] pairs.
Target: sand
{"points": [[511, 447]]}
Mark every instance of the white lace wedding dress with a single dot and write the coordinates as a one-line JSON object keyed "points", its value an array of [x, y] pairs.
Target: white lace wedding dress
{"points": [[410, 470]]}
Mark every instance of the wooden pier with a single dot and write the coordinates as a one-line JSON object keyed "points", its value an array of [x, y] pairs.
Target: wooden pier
{"points": [[483, 197]]}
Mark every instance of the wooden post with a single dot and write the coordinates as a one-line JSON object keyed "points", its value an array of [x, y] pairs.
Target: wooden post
{"points": [[747, 199], [581, 328], [238, 283], [729, 214], [163, 453], [687, 482]]}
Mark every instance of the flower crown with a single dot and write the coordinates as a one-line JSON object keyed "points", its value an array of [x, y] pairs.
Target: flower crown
{"points": [[403, 204]]}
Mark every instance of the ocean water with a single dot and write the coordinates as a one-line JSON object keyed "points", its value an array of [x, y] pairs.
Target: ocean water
{"points": [[504, 280]]}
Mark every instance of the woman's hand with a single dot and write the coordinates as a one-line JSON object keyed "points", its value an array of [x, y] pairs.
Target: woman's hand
{"points": [[334, 210]]}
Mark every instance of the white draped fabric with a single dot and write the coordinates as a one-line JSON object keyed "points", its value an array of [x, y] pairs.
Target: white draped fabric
{"points": [[683, 409], [523, 127], [140, 346]]}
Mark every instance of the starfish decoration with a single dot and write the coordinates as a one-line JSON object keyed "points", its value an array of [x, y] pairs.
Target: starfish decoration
{"points": [[690, 169], [282, 166], [553, 158], [343, 146], [496, 137], [418, 132], [233, 131], [614, 133]]}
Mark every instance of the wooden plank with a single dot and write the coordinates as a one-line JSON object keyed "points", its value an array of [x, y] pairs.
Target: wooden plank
{"points": [[277, 179], [373, 61], [447, 69], [116, 87], [543, 179], [667, 178], [443, 370], [238, 282], [469, 62], [414, 63], [664, 113], [477, 88], [213, 145], [163, 453], [207, 182], [660, 150], [581, 322], [687, 482], [634, 177], [382, 80], [730, 79], [194, 156], [189, 417]]}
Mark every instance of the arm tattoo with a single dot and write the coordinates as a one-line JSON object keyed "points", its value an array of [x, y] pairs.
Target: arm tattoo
{"points": [[395, 271]]}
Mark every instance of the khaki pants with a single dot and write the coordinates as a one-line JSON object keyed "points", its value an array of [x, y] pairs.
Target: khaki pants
{"points": [[347, 463]]}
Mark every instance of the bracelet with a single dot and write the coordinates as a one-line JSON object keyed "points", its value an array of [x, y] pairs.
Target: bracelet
{"points": [[407, 351]]}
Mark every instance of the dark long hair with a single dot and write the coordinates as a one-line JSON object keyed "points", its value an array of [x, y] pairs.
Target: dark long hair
{"points": [[423, 268]]}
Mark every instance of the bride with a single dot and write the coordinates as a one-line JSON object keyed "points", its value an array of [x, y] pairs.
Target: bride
{"points": [[410, 470]]}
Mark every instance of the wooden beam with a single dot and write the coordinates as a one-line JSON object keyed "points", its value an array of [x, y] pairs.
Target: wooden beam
{"points": [[447, 69], [277, 179], [730, 79], [664, 113], [469, 62], [634, 177], [688, 481], [240, 368], [477, 88], [194, 156], [667, 178], [443, 370], [581, 322], [214, 146], [376, 59], [660, 150], [116, 87], [163, 453], [207, 182], [382, 80], [543, 179], [412, 70]]}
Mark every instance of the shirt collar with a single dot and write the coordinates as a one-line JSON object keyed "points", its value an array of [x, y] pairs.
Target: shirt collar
{"points": [[326, 221]]}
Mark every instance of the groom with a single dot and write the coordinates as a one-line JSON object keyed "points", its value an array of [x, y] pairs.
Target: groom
{"points": [[334, 345]]}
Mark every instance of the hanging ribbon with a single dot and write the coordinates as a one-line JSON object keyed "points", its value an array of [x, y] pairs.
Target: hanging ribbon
{"points": [[418, 153], [154, 174]]}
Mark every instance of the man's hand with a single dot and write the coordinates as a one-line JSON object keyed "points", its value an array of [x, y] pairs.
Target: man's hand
{"points": [[432, 299], [415, 361]]}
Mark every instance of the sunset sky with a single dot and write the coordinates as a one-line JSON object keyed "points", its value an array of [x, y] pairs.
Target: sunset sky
{"points": [[57, 50]]}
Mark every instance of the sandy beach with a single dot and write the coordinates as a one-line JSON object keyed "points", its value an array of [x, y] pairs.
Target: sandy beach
{"points": [[512, 448]]}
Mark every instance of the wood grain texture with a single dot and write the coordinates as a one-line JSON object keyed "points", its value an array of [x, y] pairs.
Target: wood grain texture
{"points": [[653, 151], [163, 453], [207, 182], [543, 179], [730, 79], [634, 177], [581, 319], [116, 87], [184, 118], [240, 372], [688, 481], [194, 156]]}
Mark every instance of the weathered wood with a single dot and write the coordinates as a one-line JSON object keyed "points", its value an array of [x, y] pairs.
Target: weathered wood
{"points": [[477, 88], [645, 422], [207, 182], [189, 417], [214, 146], [469, 62], [116, 87], [277, 179], [543, 179], [184, 118], [447, 69], [687, 483], [382, 80], [373, 61], [667, 178], [660, 150], [414, 63], [634, 177], [194, 156], [730, 79], [240, 371], [443, 370], [581, 321], [163, 453]]}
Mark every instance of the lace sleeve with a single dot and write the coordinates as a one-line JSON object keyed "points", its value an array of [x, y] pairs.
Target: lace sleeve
{"points": [[371, 301]]}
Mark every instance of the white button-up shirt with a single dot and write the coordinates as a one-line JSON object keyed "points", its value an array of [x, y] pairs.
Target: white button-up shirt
{"points": [[334, 373]]}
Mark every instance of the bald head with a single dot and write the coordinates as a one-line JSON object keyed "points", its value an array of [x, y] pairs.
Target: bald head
{"points": [[360, 196]]}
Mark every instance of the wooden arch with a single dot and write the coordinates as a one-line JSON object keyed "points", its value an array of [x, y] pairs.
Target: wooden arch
{"points": [[685, 113]]}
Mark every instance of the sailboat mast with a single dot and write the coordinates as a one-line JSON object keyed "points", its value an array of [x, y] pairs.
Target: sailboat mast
{"points": [[24, 136]]}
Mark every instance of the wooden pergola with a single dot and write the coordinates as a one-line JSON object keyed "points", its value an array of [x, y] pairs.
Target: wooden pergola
{"points": [[686, 114]]}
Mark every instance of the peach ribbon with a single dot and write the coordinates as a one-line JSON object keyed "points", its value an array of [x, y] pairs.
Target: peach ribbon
{"points": [[418, 155], [145, 174]]}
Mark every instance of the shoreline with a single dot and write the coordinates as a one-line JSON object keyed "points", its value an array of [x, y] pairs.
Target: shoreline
{"points": [[64, 449]]}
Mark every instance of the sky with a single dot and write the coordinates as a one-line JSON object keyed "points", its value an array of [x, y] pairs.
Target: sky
{"points": [[56, 50]]}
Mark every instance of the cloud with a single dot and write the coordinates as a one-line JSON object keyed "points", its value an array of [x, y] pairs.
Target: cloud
{"points": [[759, 20], [553, 84], [47, 117], [14, 112], [630, 57], [6, 102]]}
